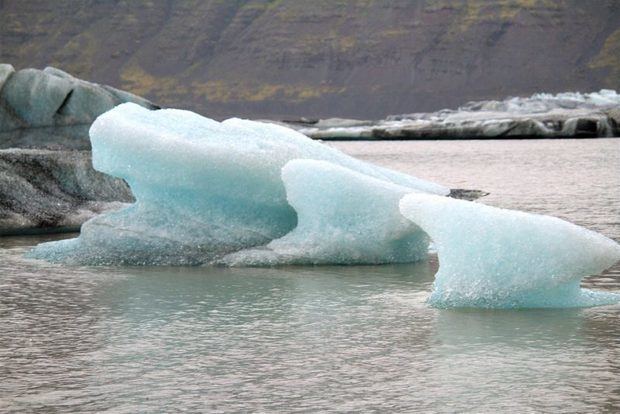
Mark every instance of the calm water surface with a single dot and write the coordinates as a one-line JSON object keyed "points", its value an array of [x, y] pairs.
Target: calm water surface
{"points": [[338, 339]]}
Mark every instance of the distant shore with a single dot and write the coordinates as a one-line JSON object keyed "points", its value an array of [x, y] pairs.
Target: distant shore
{"points": [[565, 115]]}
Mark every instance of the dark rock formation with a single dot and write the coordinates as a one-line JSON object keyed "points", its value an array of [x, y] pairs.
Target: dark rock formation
{"points": [[464, 194], [52, 109], [53, 191]]}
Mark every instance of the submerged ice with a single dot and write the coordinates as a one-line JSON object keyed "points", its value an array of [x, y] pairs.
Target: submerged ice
{"points": [[244, 193]]}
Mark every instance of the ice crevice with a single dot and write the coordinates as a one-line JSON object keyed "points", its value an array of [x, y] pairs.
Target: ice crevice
{"points": [[245, 193]]}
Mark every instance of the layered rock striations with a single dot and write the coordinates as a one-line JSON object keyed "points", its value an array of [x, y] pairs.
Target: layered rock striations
{"points": [[53, 191]]}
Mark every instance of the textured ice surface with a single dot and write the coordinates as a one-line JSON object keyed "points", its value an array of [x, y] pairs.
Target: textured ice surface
{"points": [[203, 188], [492, 257], [343, 217], [247, 193]]}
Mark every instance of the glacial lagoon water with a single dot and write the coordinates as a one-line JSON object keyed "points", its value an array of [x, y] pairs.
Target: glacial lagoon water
{"points": [[338, 339]]}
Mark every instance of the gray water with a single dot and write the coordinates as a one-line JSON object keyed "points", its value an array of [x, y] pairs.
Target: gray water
{"points": [[310, 339]]}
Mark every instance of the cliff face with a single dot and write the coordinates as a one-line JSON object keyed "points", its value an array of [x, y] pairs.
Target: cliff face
{"points": [[362, 58]]}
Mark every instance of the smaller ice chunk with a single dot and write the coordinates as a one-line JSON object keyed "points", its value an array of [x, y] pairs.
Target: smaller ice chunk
{"points": [[343, 217], [498, 258]]}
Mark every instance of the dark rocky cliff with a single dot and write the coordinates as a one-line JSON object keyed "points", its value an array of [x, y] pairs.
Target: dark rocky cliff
{"points": [[325, 58]]}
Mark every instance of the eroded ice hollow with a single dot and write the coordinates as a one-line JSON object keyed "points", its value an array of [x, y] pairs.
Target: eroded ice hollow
{"points": [[248, 193]]}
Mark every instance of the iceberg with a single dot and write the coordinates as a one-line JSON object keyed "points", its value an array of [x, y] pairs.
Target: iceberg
{"points": [[246, 193], [47, 183], [203, 188], [545, 102], [542, 115], [497, 258], [50, 109], [53, 191]]}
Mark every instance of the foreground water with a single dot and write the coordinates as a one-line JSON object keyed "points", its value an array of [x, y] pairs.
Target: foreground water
{"points": [[323, 338]]}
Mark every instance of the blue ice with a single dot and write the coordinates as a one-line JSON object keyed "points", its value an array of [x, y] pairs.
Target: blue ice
{"points": [[203, 188], [245, 193], [343, 217], [498, 258]]}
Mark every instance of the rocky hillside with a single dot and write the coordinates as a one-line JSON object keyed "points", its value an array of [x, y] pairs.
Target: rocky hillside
{"points": [[320, 58]]}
